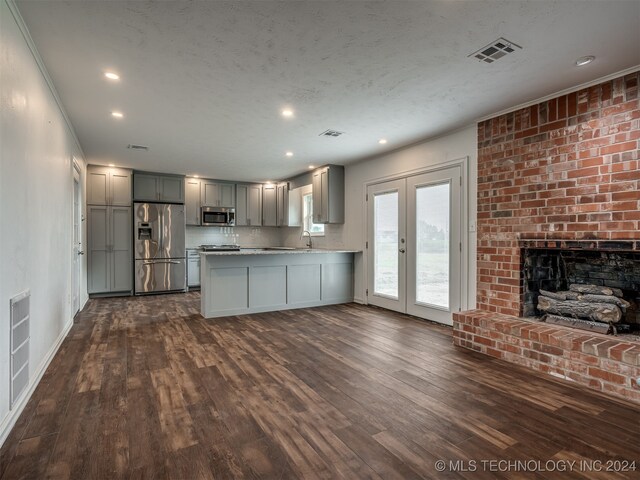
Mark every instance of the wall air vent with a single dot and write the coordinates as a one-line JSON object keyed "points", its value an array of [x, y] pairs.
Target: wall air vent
{"points": [[331, 133], [133, 146], [19, 345], [495, 50]]}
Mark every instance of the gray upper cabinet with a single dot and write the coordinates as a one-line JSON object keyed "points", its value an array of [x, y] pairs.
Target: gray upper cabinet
{"points": [[108, 186], [192, 200], [158, 188], [218, 194], [282, 204], [269, 205], [328, 194], [109, 249], [249, 205]]}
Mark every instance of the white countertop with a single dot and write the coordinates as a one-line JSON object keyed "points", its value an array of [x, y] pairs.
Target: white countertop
{"points": [[261, 251]]}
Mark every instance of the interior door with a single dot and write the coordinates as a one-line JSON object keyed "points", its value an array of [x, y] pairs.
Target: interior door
{"points": [[434, 244], [77, 242], [386, 245]]}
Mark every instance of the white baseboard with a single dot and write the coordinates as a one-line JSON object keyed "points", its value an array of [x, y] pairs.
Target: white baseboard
{"points": [[11, 418]]}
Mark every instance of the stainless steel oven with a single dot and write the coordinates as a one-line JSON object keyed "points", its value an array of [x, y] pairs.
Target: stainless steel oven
{"points": [[218, 216]]}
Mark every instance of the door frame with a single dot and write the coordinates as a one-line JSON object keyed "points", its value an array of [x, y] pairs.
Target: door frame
{"points": [[76, 263], [463, 163]]}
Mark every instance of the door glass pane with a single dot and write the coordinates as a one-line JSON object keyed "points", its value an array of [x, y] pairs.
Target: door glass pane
{"points": [[432, 243], [386, 244]]}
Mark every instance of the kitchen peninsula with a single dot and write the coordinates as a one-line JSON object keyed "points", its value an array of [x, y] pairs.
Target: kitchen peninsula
{"points": [[257, 280]]}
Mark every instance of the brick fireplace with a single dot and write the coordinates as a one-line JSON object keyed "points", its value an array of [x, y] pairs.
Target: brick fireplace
{"points": [[562, 173]]}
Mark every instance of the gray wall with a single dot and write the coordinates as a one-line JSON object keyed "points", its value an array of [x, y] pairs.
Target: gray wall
{"points": [[36, 191]]}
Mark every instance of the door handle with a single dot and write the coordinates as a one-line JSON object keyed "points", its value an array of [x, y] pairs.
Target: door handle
{"points": [[80, 252], [402, 250]]}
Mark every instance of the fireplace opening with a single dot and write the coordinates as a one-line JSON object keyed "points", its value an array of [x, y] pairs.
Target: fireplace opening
{"points": [[583, 286]]}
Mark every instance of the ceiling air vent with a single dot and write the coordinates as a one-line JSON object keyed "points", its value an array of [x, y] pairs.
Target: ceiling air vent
{"points": [[331, 133], [133, 146], [495, 50]]}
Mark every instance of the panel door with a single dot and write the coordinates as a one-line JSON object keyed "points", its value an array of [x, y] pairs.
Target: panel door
{"points": [[227, 193], [97, 186], [254, 205], [242, 205], [434, 244], [121, 257], [269, 206], [324, 187], [146, 188], [120, 188], [172, 189], [210, 194], [98, 277], [386, 206], [193, 272], [317, 196], [192, 201], [283, 204]]}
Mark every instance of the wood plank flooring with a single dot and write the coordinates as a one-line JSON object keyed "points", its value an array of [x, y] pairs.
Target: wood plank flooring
{"points": [[146, 388]]}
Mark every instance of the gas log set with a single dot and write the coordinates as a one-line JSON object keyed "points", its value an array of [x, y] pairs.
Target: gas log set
{"points": [[588, 307]]}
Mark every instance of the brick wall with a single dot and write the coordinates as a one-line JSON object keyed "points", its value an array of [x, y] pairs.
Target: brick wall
{"points": [[567, 168]]}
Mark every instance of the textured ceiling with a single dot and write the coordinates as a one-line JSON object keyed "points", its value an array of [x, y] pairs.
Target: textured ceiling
{"points": [[203, 83]]}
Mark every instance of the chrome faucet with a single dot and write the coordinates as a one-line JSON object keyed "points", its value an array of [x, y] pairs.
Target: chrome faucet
{"points": [[309, 245]]}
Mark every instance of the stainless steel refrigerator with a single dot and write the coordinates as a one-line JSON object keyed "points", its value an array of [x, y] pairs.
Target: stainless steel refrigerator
{"points": [[160, 264]]}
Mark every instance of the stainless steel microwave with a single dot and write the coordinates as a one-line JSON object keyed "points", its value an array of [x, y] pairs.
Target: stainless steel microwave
{"points": [[218, 216]]}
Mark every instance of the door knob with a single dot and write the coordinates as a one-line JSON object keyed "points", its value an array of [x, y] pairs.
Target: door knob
{"points": [[80, 252], [402, 250]]}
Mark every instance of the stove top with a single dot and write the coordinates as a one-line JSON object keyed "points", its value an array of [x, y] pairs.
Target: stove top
{"points": [[220, 248]]}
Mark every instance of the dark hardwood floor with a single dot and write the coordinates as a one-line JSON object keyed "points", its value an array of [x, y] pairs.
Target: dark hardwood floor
{"points": [[146, 388]]}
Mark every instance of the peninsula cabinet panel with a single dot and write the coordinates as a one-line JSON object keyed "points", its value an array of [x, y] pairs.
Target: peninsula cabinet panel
{"points": [[108, 186]]}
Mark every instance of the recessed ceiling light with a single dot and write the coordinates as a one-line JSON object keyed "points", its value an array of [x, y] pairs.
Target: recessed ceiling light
{"points": [[311, 167], [196, 176], [382, 141], [112, 164], [117, 114], [287, 112], [112, 76], [586, 60], [289, 154]]}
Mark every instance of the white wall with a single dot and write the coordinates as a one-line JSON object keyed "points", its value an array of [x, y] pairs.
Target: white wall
{"points": [[352, 234], [36, 192]]}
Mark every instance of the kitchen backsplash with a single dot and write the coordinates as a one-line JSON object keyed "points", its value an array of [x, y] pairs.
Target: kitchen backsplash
{"points": [[243, 236]]}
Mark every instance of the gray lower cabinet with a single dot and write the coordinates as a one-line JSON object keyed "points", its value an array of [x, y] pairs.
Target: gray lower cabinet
{"points": [[249, 205], [192, 201], [328, 194], [108, 186], [269, 205], [109, 249], [193, 268], [158, 188]]}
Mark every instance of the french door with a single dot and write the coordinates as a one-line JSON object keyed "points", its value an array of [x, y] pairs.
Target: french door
{"points": [[414, 244]]}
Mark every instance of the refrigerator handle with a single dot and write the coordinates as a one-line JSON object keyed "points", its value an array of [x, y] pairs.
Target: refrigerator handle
{"points": [[161, 232]]}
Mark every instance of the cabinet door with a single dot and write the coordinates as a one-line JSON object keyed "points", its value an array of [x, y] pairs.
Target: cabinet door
{"points": [[192, 201], [254, 205], [193, 272], [98, 274], [227, 192], [120, 243], [97, 186], [317, 197], [269, 206], [283, 204], [324, 187], [146, 188], [172, 189], [242, 205], [210, 194], [120, 187]]}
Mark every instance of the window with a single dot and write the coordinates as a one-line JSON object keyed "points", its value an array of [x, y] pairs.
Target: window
{"points": [[314, 229]]}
